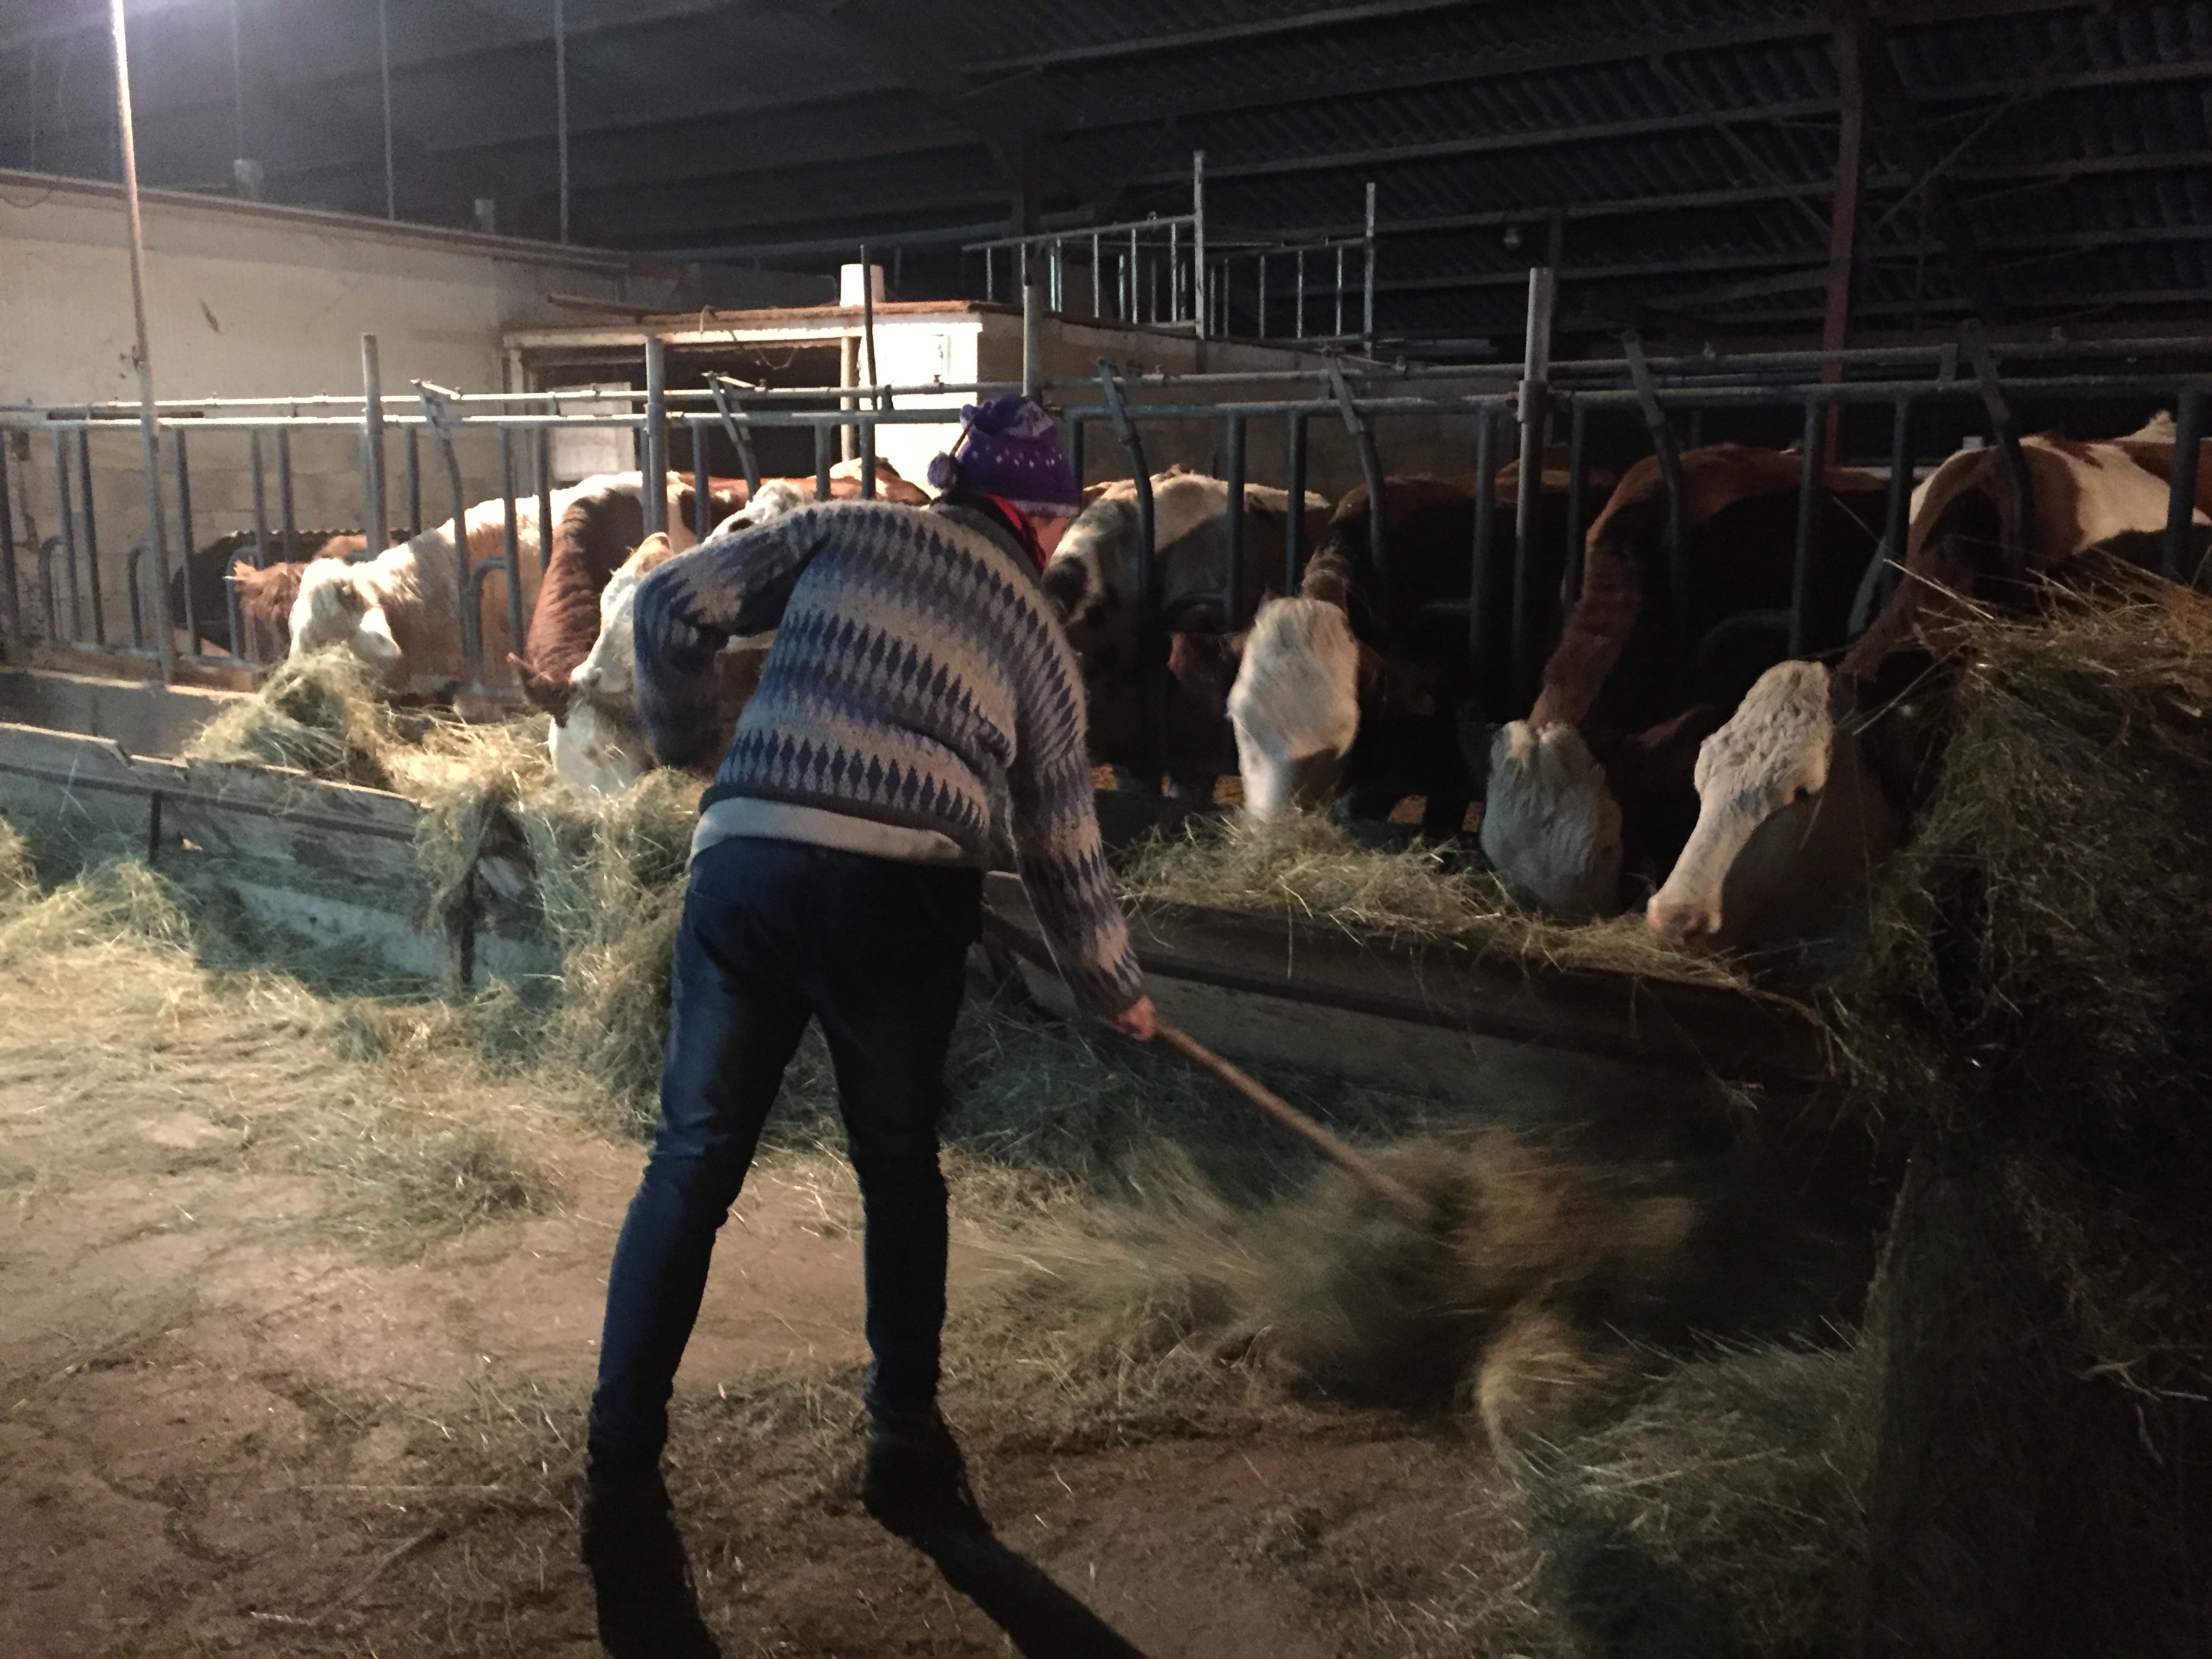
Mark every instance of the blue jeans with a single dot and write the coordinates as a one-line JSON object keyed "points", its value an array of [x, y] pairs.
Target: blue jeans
{"points": [[774, 933]]}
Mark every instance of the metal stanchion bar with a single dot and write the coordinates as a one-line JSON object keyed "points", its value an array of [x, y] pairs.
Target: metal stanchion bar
{"points": [[1570, 579], [1294, 441], [191, 619], [1808, 511], [652, 454], [375, 519], [91, 537], [2020, 532], [288, 517], [513, 543], [545, 526], [1232, 594], [1479, 619], [8, 582], [2181, 492], [1664, 446], [414, 459], [822, 446], [1151, 634]]}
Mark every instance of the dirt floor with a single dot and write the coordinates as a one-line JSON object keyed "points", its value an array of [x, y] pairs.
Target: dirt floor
{"points": [[297, 1342]]}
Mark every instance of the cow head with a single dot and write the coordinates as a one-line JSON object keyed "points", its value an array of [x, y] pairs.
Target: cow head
{"points": [[596, 749], [1790, 824], [1295, 707], [1087, 581], [777, 497], [1550, 826], [611, 671], [338, 606]]}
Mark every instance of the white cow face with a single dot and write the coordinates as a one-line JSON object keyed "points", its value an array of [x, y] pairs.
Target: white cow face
{"points": [[611, 671], [1295, 707], [1550, 827], [1790, 823], [595, 753], [337, 608]]}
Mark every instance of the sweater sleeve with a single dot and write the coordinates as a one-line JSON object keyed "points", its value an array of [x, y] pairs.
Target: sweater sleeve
{"points": [[692, 606], [1057, 847]]}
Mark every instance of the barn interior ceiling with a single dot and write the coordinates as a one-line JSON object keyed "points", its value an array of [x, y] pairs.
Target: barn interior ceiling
{"points": [[2037, 162]]}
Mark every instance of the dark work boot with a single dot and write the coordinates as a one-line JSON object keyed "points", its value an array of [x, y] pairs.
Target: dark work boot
{"points": [[640, 1578], [915, 1481]]}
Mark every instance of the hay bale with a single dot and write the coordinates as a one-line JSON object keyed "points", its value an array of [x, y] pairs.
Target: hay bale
{"points": [[1303, 865], [2037, 1012], [1720, 1515]]}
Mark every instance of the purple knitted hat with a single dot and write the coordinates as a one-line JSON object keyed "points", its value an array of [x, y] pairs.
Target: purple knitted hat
{"points": [[1010, 447]]}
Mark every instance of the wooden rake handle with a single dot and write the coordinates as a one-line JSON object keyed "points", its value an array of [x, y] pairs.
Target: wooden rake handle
{"points": [[1392, 1191]]}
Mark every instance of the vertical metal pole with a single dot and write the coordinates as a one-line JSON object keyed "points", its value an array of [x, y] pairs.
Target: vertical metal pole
{"points": [[69, 538], [1479, 619], [375, 520], [287, 517], [561, 104], [414, 525], [1032, 340], [1198, 235], [1843, 221], [1262, 261], [254, 468], [1808, 509], [702, 483], [2019, 537], [2181, 490], [654, 472], [1097, 280], [1298, 326], [1175, 272], [1151, 633], [1367, 282], [464, 579], [868, 314], [384, 69], [1570, 582], [1535, 412], [1294, 441], [1670, 454], [190, 618], [1132, 312], [516, 634], [148, 422], [1232, 592], [1897, 520], [1371, 471], [544, 499], [868, 457], [820, 461], [14, 613], [1338, 330], [91, 537]]}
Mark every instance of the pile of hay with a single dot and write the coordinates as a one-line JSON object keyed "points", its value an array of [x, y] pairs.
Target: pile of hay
{"points": [[317, 714], [1304, 866], [2036, 1013]]}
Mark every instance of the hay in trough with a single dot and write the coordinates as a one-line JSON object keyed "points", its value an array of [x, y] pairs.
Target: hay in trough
{"points": [[1303, 865], [2037, 1012], [318, 714]]}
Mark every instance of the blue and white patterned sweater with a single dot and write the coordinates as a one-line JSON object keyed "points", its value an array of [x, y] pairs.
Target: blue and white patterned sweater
{"points": [[914, 658]]}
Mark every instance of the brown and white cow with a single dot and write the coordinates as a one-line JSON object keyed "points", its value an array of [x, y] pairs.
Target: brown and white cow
{"points": [[1090, 582], [399, 612], [1598, 779], [596, 743], [210, 565], [1803, 795], [1411, 671]]}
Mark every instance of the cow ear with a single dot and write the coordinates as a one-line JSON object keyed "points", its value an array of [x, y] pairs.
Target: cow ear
{"points": [[372, 636]]}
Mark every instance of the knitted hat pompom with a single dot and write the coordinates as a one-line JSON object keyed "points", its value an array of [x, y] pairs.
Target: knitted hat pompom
{"points": [[1010, 447]]}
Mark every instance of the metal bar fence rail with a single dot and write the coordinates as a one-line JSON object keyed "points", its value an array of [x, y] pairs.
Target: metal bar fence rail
{"points": [[1341, 390]]}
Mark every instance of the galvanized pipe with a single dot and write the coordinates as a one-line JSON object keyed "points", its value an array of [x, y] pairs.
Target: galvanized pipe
{"points": [[1151, 634], [91, 538], [515, 632], [653, 453], [2019, 533], [184, 535], [1232, 596], [1478, 623], [1809, 510], [2181, 490], [822, 446], [290, 519], [702, 491], [464, 587], [1570, 579], [374, 521], [1664, 447], [1294, 441], [8, 583], [544, 500], [413, 463], [1535, 410]]}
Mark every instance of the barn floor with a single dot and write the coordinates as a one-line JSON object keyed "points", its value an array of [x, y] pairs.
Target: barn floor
{"points": [[297, 1346]]}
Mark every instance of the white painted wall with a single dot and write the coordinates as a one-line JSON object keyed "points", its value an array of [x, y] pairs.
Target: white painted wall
{"points": [[248, 300]]}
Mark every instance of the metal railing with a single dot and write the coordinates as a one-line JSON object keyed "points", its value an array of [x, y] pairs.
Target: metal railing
{"points": [[1538, 398], [1178, 273]]}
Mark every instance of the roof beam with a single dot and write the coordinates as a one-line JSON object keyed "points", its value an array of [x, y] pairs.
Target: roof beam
{"points": [[1502, 143], [1893, 109]]}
